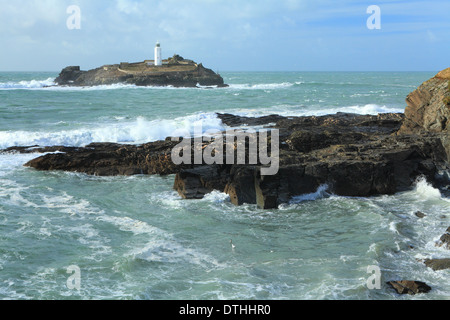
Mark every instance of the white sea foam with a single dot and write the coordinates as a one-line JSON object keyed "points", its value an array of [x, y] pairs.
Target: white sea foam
{"points": [[216, 197], [162, 247], [9, 162], [132, 225], [298, 111], [393, 227], [425, 190], [50, 85], [170, 251], [372, 109]]}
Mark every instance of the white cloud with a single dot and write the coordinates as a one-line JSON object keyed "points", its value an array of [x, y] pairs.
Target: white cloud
{"points": [[128, 6], [432, 37], [24, 14]]}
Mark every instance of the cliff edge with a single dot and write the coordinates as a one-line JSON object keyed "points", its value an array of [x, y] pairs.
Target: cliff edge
{"points": [[428, 107]]}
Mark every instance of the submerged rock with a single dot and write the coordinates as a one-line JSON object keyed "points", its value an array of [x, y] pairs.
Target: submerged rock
{"points": [[444, 241], [409, 287], [420, 214], [438, 264]]}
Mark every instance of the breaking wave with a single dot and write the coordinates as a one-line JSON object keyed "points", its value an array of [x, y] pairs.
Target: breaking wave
{"points": [[262, 86], [32, 84], [138, 131]]}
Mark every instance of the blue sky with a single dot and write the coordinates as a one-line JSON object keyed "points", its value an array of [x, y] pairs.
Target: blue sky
{"points": [[228, 35]]}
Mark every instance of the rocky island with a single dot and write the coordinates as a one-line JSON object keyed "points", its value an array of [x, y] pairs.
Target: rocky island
{"points": [[176, 72]]}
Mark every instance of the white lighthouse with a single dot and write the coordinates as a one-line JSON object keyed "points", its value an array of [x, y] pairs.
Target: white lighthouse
{"points": [[158, 55]]}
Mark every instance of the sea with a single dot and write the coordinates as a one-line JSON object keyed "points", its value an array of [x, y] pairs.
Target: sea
{"points": [[71, 236]]}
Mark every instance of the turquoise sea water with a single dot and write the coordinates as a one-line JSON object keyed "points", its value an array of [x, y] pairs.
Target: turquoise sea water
{"points": [[134, 238]]}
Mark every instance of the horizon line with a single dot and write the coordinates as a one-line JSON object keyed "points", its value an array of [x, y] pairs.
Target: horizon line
{"points": [[58, 71]]}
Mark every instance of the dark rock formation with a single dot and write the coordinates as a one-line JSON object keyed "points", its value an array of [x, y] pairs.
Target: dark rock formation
{"points": [[420, 214], [409, 287], [197, 182], [444, 241], [355, 155], [109, 159], [177, 72], [438, 264], [427, 110]]}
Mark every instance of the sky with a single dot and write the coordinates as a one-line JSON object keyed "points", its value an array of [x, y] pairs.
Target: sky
{"points": [[228, 35]]}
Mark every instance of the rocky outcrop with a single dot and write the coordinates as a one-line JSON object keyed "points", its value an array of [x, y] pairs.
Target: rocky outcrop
{"points": [[177, 72], [107, 159], [420, 214], [440, 264], [354, 155], [437, 264], [444, 241], [197, 182], [428, 109]]}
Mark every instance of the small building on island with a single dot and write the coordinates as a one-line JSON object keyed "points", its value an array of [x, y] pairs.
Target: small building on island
{"points": [[158, 60], [158, 55]]}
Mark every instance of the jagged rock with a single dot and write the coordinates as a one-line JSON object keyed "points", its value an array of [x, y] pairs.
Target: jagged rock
{"points": [[438, 264], [197, 182], [109, 159], [420, 214], [444, 241], [232, 120], [241, 186], [409, 287], [426, 110]]}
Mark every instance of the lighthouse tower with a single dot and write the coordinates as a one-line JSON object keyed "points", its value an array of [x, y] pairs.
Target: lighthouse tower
{"points": [[158, 55]]}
